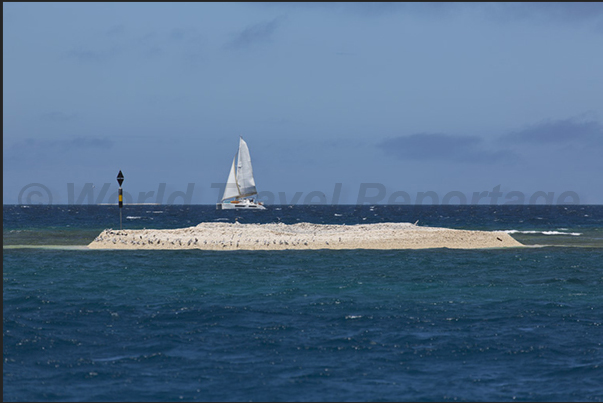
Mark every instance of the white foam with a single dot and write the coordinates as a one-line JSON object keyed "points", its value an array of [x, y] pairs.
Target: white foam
{"points": [[561, 233], [515, 231]]}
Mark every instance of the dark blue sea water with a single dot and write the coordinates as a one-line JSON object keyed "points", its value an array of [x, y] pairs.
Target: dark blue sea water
{"points": [[358, 325]]}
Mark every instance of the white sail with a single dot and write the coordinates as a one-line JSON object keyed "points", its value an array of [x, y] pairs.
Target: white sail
{"points": [[231, 189], [244, 173]]}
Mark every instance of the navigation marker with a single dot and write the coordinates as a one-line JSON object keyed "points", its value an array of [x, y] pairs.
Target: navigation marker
{"points": [[120, 180]]}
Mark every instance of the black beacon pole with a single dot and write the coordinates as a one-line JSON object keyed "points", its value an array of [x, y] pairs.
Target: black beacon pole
{"points": [[120, 180]]}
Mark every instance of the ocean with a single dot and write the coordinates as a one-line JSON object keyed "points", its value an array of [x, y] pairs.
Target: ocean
{"points": [[518, 324]]}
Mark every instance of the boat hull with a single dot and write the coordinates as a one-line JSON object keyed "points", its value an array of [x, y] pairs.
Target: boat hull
{"points": [[240, 205]]}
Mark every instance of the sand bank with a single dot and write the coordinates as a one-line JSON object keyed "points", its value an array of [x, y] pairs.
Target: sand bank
{"points": [[226, 236]]}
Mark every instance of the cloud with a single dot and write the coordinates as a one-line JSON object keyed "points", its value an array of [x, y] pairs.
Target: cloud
{"points": [[32, 160], [547, 12], [127, 46], [372, 9], [63, 156], [56, 116], [34, 151], [65, 144], [443, 147], [257, 33], [116, 30], [578, 134], [565, 131], [84, 142], [550, 12], [91, 56]]}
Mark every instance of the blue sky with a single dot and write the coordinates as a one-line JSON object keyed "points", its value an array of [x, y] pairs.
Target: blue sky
{"points": [[412, 97]]}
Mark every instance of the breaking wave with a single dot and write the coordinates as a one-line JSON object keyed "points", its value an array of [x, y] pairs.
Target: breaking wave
{"points": [[515, 231]]}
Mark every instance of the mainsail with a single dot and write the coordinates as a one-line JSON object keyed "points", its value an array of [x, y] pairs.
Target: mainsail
{"points": [[240, 181], [245, 172]]}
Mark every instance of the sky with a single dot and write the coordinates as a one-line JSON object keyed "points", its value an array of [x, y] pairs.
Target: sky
{"points": [[338, 102]]}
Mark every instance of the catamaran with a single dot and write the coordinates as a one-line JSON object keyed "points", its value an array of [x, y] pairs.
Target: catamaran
{"points": [[240, 186]]}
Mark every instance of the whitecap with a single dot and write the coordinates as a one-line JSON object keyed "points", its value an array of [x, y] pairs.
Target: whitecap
{"points": [[116, 358], [561, 233], [515, 231]]}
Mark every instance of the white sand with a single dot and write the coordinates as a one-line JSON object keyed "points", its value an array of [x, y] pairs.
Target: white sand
{"points": [[225, 236]]}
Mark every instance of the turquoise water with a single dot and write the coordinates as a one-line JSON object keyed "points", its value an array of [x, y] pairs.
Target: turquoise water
{"points": [[358, 325]]}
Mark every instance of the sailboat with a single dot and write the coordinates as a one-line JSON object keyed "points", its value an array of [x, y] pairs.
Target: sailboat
{"points": [[240, 186]]}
